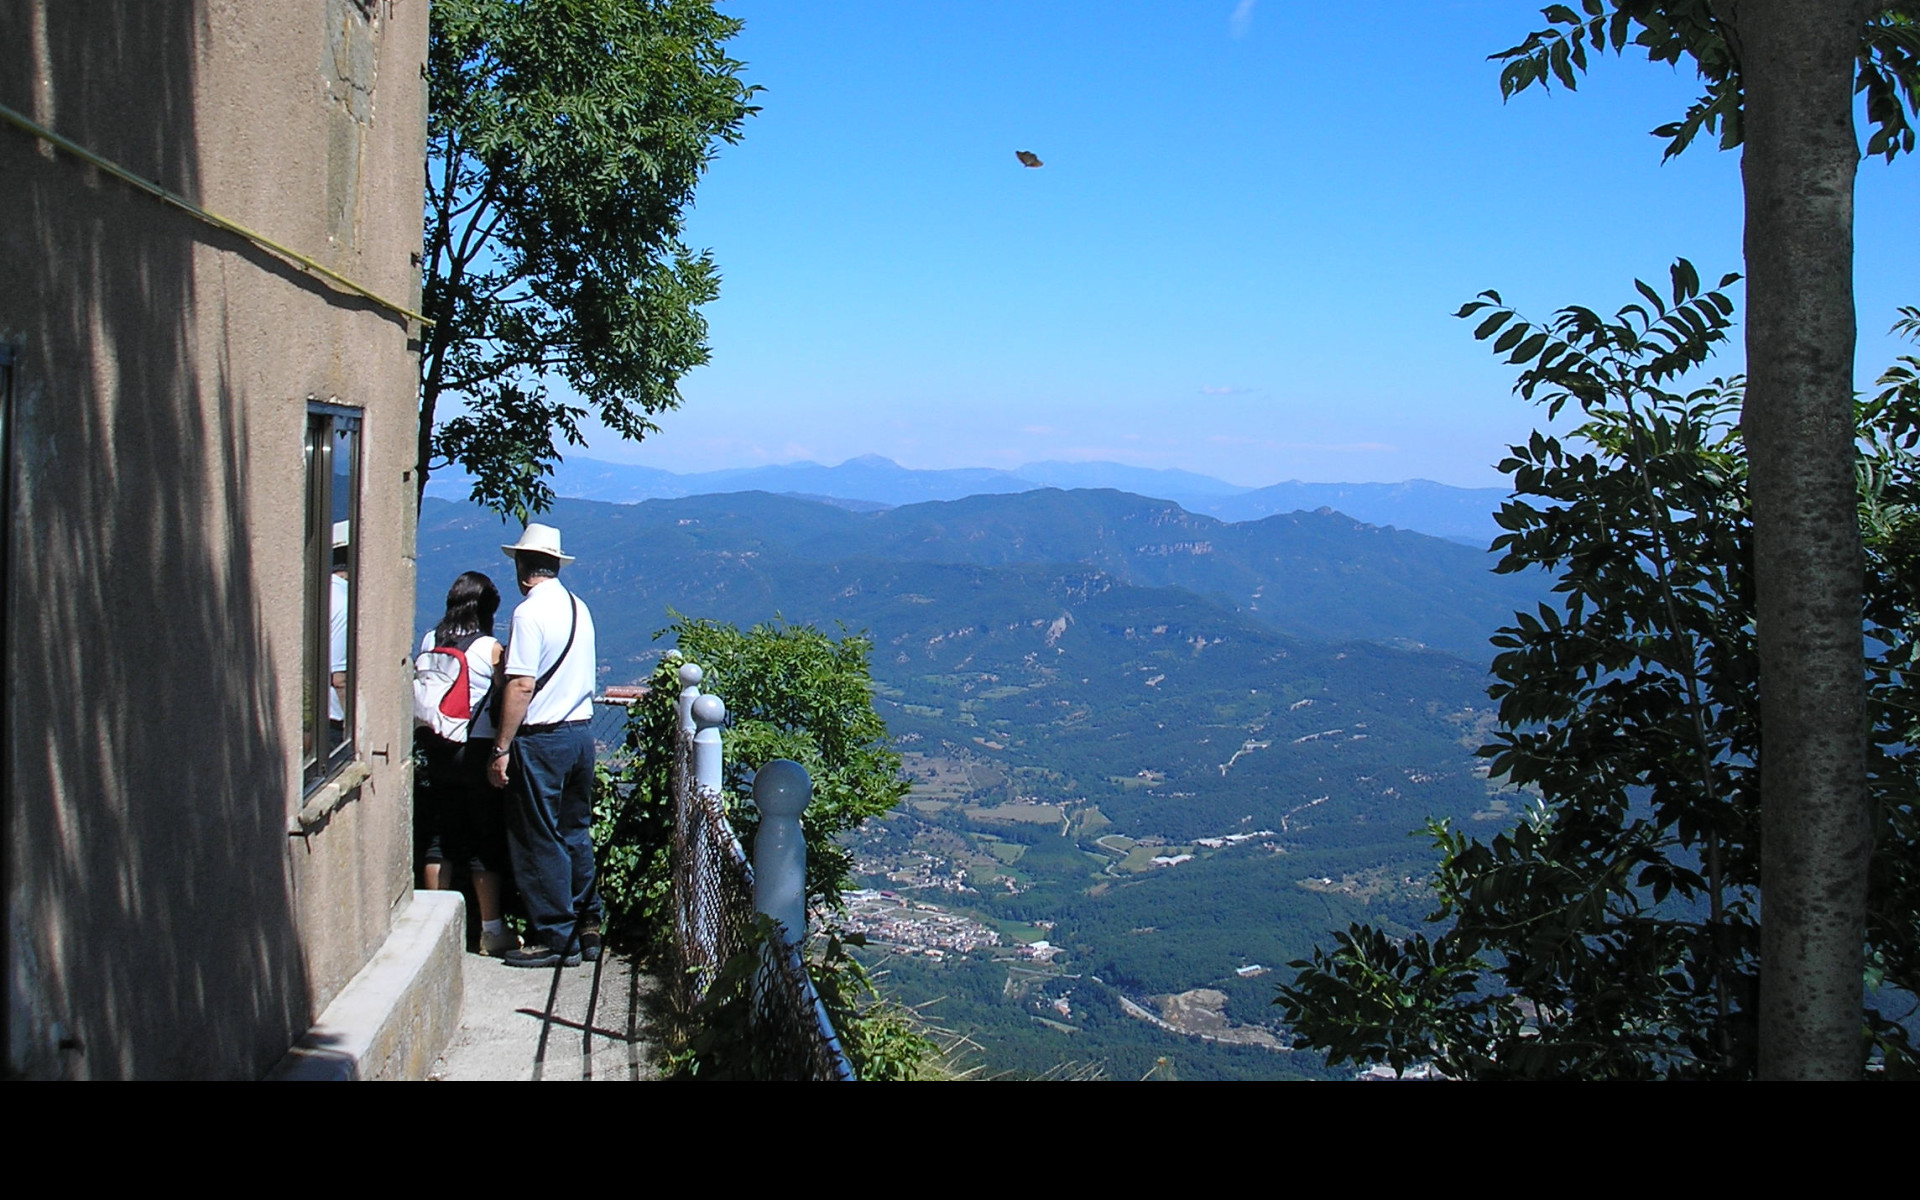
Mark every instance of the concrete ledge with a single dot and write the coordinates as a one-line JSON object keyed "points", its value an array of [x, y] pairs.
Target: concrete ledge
{"points": [[397, 1015], [329, 798]]}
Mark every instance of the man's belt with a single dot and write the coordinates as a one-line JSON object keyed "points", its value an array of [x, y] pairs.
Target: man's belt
{"points": [[524, 729]]}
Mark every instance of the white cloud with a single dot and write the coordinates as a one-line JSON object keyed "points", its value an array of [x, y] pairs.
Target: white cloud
{"points": [[1242, 19]]}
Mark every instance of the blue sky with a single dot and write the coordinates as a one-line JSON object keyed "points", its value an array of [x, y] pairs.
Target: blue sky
{"points": [[1240, 258]]}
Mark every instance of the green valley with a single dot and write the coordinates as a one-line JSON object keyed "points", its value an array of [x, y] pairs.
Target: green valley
{"points": [[1174, 752]]}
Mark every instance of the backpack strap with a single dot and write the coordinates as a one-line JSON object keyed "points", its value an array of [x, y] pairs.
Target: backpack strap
{"points": [[460, 643]]}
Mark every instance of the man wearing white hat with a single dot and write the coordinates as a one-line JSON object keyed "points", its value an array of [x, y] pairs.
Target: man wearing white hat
{"points": [[543, 755]]}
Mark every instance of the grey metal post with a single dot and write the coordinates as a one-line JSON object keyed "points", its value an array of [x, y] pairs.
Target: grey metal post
{"points": [[781, 791]]}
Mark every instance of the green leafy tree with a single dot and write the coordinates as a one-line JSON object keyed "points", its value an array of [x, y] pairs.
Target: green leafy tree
{"points": [[565, 138], [791, 691], [1780, 81], [1615, 931], [1886, 61], [794, 692]]}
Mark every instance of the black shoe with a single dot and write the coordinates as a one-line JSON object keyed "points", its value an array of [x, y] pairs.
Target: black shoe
{"points": [[539, 954], [590, 941]]}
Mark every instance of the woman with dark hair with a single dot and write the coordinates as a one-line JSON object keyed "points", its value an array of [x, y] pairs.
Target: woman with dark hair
{"points": [[457, 817]]}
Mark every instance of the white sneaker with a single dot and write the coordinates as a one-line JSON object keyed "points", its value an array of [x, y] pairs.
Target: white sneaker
{"points": [[493, 945]]}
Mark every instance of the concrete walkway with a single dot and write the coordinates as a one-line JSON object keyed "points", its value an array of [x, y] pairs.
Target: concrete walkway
{"points": [[501, 1019]]}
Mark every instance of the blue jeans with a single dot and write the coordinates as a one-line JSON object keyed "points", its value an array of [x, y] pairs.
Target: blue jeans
{"points": [[550, 829]]}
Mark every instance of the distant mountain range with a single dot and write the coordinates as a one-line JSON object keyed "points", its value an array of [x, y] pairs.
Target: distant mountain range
{"points": [[743, 556], [870, 482]]}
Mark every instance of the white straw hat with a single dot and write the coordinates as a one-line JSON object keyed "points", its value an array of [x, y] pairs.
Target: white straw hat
{"points": [[539, 539]]}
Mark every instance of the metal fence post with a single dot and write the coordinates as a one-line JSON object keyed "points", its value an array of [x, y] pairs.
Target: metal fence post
{"points": [[718, 893], [708, 714], [781, 791], [690, 676]]}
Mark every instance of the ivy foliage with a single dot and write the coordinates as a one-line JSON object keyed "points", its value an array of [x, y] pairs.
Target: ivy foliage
{"points": [[565, 138], [1614, 932], [1886, 72]]}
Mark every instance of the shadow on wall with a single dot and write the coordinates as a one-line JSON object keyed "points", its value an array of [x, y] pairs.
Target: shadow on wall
{"points": [[150, 926]]}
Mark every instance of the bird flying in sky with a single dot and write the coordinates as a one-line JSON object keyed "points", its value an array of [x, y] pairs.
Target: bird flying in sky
{"points": [[1028, 158]]}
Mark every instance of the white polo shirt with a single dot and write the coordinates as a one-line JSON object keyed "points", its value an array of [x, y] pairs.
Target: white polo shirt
{"points": [[539, 633]]}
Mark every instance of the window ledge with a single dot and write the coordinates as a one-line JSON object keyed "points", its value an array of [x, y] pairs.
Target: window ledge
{"points": [[328, 797]]}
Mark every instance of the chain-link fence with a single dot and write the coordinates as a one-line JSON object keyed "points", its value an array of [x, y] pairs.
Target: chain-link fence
{"points": [[609, 726], [722, 942]]}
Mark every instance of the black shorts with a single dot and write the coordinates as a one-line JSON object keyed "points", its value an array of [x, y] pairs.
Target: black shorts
{"points": [[457, 815]]}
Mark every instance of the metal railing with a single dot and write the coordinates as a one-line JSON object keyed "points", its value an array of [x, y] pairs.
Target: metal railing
{"points": [[609, 724], [718, 900]]}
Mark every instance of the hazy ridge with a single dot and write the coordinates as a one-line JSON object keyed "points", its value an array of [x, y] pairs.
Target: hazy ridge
{"points": [[1459, 514]]}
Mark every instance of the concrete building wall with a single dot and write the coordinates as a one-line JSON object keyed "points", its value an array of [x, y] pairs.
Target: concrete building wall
{"points": [[161, 919]]}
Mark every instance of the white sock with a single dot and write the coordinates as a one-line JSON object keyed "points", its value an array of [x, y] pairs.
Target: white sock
{"points": [[494, 928]]}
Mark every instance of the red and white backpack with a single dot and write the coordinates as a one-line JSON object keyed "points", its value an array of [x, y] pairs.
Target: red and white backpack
{"points": [[443, 689]]}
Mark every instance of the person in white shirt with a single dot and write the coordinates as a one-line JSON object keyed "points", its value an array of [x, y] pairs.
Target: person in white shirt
{"points": [[542, 755]]}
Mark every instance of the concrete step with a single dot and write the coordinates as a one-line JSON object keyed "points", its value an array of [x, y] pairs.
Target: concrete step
{"points": [[393, 1017]]}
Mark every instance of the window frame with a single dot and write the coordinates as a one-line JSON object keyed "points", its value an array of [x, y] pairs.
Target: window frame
{"points": [[325, 422], [9, 369]]}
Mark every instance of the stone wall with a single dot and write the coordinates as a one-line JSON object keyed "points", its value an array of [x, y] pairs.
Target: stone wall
{"points": [[161, 920]]}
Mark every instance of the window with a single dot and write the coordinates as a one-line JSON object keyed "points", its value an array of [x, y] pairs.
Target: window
{"points": [[332, 599]]}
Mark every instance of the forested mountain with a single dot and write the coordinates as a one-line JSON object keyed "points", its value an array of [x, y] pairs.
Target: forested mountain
{"points": [[744, 556], [1176, 749], [1459, 514]]}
